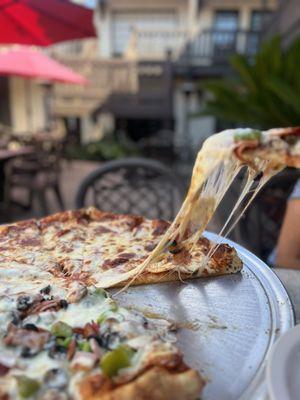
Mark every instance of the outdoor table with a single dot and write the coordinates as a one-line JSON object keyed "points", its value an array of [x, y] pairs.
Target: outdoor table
{"points": [[6, 155], [291, 280]]}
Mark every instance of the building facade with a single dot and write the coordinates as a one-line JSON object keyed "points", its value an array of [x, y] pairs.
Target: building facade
{"points": [[24, 105], [168, 46], [286, 21]]}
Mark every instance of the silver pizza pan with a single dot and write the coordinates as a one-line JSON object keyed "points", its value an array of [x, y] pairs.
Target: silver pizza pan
{"points": [[231, 323]]}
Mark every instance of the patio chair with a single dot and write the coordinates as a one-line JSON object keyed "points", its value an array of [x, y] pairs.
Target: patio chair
{"points": [[133, 185], [36, 174]]}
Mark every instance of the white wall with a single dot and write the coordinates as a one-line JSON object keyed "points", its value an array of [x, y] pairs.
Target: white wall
{"points": [[27, 105], [192, 129]]}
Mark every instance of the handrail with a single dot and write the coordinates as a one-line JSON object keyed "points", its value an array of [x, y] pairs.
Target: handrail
{"points": [[207, 46]]}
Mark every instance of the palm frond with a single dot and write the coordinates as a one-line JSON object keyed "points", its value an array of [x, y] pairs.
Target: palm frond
{"points": [[264, 92]]}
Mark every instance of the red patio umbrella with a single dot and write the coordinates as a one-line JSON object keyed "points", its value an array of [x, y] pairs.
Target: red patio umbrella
{"points": [[27, 62], [43, 22]]}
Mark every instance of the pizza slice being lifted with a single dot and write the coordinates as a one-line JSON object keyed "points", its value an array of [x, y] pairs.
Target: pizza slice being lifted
{"points": [[221, 158]]}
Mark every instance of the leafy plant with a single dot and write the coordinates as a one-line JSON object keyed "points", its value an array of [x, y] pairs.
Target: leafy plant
{"points": [[106, 149], [264, 92]]}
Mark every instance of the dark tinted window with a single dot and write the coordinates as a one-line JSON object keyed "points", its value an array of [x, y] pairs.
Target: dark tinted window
{"points": [[226, 20], [260, 18]]}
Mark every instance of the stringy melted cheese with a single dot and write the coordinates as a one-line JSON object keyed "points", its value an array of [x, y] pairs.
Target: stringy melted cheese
{"points": [[215, 168]]}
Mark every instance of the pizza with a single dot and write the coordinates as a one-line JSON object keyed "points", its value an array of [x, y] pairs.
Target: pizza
{"points": [[52, 349], [106, 249], [91, 247], [62, 336]]}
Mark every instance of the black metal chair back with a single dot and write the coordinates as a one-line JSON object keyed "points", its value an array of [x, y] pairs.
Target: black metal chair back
{"points": [[133, 186]]}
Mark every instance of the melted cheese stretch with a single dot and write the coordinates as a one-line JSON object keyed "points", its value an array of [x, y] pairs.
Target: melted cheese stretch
{"points": [[215, 168]]}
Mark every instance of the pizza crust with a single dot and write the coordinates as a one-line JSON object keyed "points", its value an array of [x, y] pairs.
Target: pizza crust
{"points": [[224, 261], [156, 383]]}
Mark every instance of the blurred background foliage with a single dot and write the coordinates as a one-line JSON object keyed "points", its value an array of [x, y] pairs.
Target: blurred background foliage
{"points": [[108, 148], [263, 92]]}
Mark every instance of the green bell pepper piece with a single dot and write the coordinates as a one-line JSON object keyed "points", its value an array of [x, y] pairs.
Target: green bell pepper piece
{"points": [[113, 307], [247, 135], [84, 346], [61, 329], [102, 317], [100, 292], [27, 387], [114, 360], [64, 342]]}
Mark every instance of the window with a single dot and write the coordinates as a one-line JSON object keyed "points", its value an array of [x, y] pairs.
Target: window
{"points": [[259, 19], [226, 21], [225, 27]]}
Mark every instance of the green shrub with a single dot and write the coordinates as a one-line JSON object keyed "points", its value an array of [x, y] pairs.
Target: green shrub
{"points": [[264, 92], [105, 149]]}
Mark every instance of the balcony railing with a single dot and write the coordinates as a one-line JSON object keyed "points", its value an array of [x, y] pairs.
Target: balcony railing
{"points": [[206, 47], [125, 87], [153, 44], [212, 47], [105, 78]]}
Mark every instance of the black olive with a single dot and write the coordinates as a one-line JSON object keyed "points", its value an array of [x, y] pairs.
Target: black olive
{"points": [[27, 352], [174, 248], [24, 303], [46, 290], [78, 337], [16, 319], [145, 322], [109, 340], [56, 378], [30, 327], [63, 303], [57, 352]]}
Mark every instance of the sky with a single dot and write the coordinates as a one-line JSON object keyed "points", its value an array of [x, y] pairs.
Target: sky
{"points": [[88, 3]]}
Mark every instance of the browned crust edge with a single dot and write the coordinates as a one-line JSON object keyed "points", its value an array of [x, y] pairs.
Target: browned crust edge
{"points": [[156, 383], [148, 278]]}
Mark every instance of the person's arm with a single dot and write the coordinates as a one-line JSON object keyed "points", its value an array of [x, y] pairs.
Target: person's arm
{"points": [[288, 247]]}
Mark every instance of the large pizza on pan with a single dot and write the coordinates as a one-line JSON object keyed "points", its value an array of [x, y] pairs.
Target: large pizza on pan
{"points": [[63, 337]]}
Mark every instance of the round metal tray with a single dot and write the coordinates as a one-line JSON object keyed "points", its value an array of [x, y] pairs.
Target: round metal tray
{"points": [[238, 318]]}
